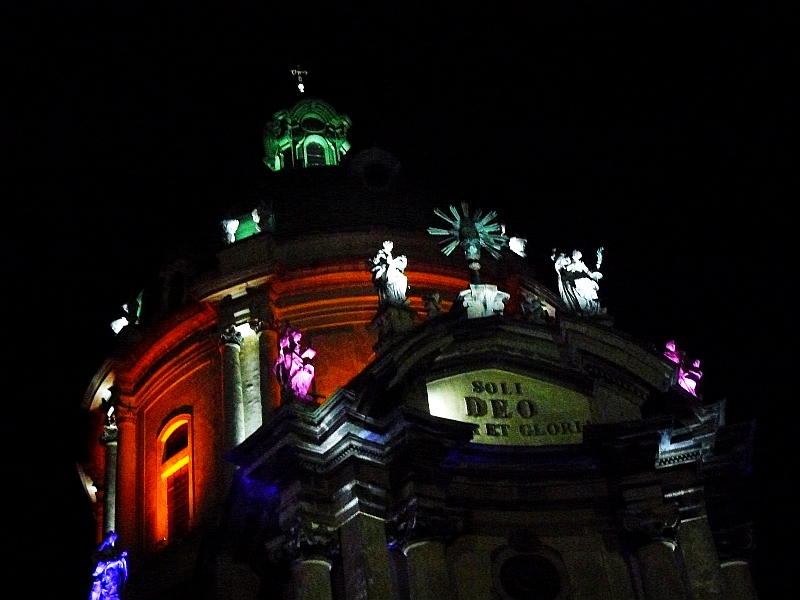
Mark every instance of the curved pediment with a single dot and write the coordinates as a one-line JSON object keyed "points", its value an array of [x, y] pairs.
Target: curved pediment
{"points": [[516, 382]]}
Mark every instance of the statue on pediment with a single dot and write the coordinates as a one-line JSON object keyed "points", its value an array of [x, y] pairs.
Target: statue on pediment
{"points": [[388, 277], [433, 304], [688, 375], [533, 308], [293, 369], [577, 284], [229, 228]]}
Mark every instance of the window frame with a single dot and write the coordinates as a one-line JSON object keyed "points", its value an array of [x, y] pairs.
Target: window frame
{"points": [[170, 466]]}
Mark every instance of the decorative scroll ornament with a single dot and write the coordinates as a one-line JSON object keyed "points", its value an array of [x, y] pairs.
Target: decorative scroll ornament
{"points": [[577, 284], [483, 300], [472, 234], [688, 376], [388, 277], [293, 369], [111, 571]]}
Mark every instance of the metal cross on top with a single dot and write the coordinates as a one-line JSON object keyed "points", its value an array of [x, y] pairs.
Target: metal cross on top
{"points": [[299, 73]]}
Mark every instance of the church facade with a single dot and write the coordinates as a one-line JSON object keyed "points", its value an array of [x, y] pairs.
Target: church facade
{"points": [[334, 409]]}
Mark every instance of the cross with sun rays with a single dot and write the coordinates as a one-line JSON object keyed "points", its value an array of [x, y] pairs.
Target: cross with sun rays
{"points": [[472, 233]]}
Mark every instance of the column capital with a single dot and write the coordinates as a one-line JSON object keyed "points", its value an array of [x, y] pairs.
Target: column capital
{"points": [[125, 415], [657, 522], [304, 541], [260, 325], [736, 542], [231, 337], [110, 435], [413, 523]]}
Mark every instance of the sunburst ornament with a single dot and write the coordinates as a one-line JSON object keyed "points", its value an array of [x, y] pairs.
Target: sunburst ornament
{"points": [[472, 234]]}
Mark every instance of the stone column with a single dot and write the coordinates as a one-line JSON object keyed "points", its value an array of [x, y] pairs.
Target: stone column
{"points": [[365, 555], [127, 480], [700, 559], [652, 524], [738, 581], [233, 581], [658, 567], [427, 571], [231, 345], [422, 528], [312, 578], [267, 355], [109, 442]]}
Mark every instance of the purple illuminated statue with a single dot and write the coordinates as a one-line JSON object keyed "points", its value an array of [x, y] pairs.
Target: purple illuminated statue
{"points": [[111, 571], [687, 376], [577, 284], [293, 369]]}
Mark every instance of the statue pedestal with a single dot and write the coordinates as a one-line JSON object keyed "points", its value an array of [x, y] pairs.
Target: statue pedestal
{"points": [[483, 300], [391, 323]]}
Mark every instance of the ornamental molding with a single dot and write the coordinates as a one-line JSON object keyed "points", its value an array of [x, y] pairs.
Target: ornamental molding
{"points": [[692, 443]]}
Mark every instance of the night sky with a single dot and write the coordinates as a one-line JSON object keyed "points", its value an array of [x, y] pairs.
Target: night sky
{"points": [[659, 133]]}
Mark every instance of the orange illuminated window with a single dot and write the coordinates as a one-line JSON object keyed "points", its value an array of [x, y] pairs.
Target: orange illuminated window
{"points": [[175, 494]]}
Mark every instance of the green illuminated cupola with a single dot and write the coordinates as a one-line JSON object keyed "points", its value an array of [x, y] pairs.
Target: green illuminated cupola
{"points": [[310, 134]]}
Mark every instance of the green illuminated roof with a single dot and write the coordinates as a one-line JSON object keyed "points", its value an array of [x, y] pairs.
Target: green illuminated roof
{"points": [[310, 134]]}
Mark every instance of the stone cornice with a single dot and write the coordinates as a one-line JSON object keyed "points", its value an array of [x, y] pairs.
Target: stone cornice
{"points": [[164, 340], [297, 439]]}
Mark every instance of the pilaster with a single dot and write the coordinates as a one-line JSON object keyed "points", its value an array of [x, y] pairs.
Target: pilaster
{"points": [[738, 580], [309, 549], [267, 356], [127, 481], [701, 559], [653, 527], [423, 533], [365, 558]]}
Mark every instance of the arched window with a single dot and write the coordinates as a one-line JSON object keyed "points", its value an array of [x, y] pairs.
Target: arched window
{"points": [[315, 154], [175, 493]]}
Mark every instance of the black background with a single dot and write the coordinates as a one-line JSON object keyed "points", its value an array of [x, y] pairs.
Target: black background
{"points": [[660, 132]]}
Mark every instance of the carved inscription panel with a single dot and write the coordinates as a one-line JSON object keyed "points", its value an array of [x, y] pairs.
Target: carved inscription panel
{"points": [[510, 409]]}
